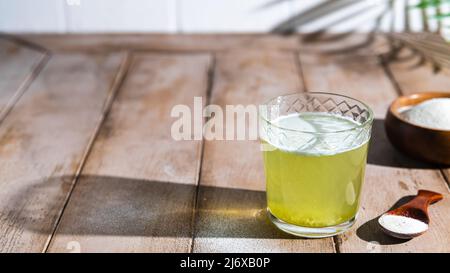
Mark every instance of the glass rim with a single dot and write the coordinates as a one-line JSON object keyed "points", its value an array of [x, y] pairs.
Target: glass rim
{"points": [[357, 126]]}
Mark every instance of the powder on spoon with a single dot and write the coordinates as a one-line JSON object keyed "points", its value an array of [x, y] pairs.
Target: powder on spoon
{"points": [[433, 113], [401, 224]]}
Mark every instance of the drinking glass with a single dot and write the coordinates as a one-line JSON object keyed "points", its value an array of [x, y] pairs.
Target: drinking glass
{"points": [[315, 151]]}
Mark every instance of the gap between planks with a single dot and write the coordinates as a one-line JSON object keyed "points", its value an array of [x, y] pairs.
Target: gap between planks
{"points": [[112, 93], [209, 87], [35, 70]]}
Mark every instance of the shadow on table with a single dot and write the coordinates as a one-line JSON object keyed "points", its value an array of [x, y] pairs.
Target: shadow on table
{"points": [[116, 206], [383, 153], [128, 207], [372, 232]]}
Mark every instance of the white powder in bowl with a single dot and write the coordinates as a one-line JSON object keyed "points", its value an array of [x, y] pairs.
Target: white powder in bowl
{"points": [[434, 113], [401, 224]]}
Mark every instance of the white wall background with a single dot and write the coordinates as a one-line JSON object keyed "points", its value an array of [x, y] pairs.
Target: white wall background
{"points": [[179, 16]]}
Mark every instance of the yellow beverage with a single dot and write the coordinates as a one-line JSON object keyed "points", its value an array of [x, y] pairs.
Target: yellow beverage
{"points": [[314, 180]]}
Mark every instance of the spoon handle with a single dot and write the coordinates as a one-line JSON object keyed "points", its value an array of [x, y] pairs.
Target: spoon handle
{"points": [[425, 198]]}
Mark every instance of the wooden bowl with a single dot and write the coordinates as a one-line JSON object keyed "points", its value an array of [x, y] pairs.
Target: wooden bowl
{"points": [[420, 142]]}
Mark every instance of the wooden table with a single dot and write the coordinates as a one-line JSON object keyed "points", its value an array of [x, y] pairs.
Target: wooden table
{"points": [[88, 164]]}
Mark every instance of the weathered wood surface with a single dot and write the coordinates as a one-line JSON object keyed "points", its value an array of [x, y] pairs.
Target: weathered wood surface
{"points": [[136, 192], [18, 67], [87, 162], [163, 42], [231, 202], [389, 175], [43, 140]]}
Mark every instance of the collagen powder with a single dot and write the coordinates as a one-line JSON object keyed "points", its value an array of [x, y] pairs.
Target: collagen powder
{"points": [[401, 224], [434, 113]]}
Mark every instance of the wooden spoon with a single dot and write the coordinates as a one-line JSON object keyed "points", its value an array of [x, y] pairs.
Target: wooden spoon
{"points": [[410, 220]]}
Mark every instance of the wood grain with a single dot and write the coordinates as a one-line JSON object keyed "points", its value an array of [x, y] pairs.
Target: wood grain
{"points": [[163, 42], [17, 66], [136, 192], [390, 175], [136, 189], [232, 217], [42, 143], [413, 78]]}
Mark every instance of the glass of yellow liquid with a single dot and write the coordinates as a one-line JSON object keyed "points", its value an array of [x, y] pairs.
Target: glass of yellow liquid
{"points": [[315, 152]]}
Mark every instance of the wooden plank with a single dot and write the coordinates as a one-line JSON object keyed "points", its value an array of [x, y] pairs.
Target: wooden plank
{"points": [[162, 42], [413, 78], [43, 140], [136, 192], [390, 176], [232, 217], [17, 66]]}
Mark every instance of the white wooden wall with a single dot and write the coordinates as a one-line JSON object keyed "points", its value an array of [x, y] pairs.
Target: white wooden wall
{"points": [[171, 16]]}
